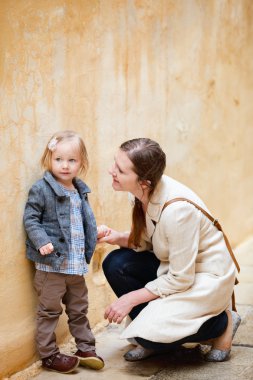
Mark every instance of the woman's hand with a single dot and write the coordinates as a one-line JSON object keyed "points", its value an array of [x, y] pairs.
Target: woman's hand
{"points": [[46, 249], [110, 236], [102, 231], [119, 309]]}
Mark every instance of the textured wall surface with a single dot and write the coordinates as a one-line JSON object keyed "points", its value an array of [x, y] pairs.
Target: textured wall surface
{"points": [[178, 71]]}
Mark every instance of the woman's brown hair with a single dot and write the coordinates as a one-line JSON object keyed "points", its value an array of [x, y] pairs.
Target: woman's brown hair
{"points": [[149, 162]]}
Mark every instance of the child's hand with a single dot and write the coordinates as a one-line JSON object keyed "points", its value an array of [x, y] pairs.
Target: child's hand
{"points": [[111, 237], [103, 231], [46, 249]]}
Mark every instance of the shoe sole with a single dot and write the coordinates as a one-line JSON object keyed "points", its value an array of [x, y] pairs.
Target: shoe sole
{"points": [[91, 362], [69, 371]]}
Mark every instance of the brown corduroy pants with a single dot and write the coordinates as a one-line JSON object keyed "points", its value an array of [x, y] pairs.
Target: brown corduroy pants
{"points": [[55, 289]]}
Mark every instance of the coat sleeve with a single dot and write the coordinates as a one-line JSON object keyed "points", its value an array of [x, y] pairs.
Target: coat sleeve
{"points": [[179, 230], [32, 218]]}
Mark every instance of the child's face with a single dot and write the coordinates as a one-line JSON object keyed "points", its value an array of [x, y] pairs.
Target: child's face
{"points": [[66, 162]]}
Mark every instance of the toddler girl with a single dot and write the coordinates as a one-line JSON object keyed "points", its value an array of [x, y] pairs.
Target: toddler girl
{"points": [[62, 236]]}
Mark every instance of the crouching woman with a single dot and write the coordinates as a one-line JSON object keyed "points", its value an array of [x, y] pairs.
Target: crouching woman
{"points": [[173, 273]]}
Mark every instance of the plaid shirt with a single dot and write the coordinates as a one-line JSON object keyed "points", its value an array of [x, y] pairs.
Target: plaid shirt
{"points": [[75, 263]]}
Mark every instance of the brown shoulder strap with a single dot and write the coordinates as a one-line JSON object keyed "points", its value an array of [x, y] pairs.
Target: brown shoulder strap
{"points": [[213, 220], [218, 226]]}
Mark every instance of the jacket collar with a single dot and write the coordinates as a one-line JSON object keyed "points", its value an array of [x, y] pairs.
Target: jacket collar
{"points": [[158, 199], [80, 185]]}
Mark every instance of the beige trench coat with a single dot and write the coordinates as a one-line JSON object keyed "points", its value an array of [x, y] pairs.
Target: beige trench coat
{"points": [[196, 276]]}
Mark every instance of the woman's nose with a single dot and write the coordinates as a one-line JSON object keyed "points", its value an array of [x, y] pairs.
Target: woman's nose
{"points": [[111, 171]]}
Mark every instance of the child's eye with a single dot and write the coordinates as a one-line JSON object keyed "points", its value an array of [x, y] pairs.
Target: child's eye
{"points": [[58, 159], [72, 160]]}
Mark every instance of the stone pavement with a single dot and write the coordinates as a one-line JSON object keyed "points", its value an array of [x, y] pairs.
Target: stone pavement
{"points": [[184, 365]]}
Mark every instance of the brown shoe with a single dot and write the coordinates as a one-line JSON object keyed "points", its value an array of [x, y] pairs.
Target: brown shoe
{"points": [[90, 359], [60, 363]]}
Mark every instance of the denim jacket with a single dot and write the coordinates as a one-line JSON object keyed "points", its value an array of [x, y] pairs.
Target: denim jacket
{"points": [[47, 220]]}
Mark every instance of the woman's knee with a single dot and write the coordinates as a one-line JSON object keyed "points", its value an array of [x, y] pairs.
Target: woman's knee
{"points": [[114, 261]]}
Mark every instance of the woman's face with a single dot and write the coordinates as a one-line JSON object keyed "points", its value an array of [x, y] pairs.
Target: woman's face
{"points": [[123, 175]]}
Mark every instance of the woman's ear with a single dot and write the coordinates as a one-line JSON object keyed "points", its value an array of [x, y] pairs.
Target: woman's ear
{"points": [[145, 184]]}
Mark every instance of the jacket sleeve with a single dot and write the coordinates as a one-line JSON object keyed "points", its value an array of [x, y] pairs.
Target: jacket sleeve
{"points": [[180, 231], [32, 218]]}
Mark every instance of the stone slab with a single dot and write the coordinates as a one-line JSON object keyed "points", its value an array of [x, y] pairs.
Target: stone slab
{"points": [[184, 365]]}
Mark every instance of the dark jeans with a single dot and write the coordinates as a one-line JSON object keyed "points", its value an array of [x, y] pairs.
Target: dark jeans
{"points": [[127, 270]]}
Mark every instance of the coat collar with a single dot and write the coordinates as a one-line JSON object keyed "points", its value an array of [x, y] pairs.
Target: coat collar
{"points": [[80, 185], [158, 199]]}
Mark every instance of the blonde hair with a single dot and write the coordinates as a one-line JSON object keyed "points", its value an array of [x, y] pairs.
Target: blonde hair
{"points": [[46, 159]]}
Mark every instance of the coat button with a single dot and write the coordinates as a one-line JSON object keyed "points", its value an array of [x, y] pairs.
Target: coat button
{"points": [[60, 199], [61, 240]]}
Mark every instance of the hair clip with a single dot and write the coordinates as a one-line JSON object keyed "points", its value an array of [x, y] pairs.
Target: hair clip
{"points": [[52, 144]]}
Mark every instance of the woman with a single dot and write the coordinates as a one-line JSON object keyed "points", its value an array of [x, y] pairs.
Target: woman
{"points": [[173, 274]]}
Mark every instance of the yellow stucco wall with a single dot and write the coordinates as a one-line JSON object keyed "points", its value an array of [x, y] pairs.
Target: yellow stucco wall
{"points": [[178, 71]]}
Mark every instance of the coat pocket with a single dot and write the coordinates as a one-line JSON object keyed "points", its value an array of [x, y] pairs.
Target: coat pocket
{"points": [[53, 259]]}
